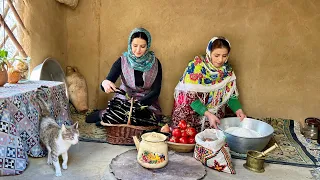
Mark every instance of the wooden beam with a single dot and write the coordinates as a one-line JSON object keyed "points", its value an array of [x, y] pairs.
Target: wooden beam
{"points": [[16, 54], [5, 12], [15, 13], [7, 36], [13, 38]]}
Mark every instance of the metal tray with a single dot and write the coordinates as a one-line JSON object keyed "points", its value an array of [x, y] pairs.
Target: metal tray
{"points": [[49, 70]]}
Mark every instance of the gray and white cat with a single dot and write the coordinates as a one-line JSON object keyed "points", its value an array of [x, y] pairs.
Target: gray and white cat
{"points": [[57, 139]]}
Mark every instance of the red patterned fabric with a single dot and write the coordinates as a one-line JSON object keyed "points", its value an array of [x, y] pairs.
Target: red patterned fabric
{"points": [[184, 111], [210, 158]]}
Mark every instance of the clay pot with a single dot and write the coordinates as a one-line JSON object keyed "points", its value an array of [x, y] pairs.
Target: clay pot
{"points": [[72, 3], [77, 89], [3, 76], [13, 77]]}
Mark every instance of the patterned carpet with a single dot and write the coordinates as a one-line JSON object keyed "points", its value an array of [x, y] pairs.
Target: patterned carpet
{"points": [[88, 131], [294, 148]]}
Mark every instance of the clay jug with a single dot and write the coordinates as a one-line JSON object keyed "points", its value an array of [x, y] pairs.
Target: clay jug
{"points": [[77, 89], [152, 150], [3, 75]]}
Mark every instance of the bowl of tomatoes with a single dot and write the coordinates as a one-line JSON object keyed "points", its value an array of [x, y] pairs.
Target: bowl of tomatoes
{"points": [[182, 138]]}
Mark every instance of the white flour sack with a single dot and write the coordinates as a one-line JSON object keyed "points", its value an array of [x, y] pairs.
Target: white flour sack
{"points": [[212, 151]]}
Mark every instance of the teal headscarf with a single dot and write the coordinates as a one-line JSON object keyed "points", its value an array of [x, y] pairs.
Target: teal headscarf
{"points": [[146, 61]]}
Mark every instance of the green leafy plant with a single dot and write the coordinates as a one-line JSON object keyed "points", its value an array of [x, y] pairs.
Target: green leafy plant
{"points": [[3, 58], [8, 62]]}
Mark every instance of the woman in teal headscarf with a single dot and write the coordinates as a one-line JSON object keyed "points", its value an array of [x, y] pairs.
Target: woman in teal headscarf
{"points": [[141, 76]]}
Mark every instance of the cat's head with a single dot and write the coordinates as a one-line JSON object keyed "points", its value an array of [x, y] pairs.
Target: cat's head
{"points": [[70, 133]]}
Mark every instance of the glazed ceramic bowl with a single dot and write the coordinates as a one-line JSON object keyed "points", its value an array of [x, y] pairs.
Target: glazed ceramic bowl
{"points": [[244, 144]]}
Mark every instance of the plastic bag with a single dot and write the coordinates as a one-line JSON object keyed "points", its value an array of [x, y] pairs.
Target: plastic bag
{"points": [[212, 151]]}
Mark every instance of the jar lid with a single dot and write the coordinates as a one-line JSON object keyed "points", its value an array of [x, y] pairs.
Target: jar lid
{"points": [[154, 137], [314, 121]]}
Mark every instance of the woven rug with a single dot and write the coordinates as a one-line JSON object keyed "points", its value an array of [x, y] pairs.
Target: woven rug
{"points": [[88, 131], [294, 148]]}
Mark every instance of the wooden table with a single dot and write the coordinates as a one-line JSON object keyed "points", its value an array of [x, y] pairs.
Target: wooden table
{"points": [[19, 122]]}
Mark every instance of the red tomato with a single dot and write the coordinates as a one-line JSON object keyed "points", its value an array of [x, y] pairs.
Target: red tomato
{"points": [[182, 124], [183, 140], [176, 133], [191, 140], [174, 139], [191, 131], [184, 133]]}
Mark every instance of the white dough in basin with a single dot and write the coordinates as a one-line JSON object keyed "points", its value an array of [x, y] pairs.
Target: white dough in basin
{"points": [[242, 132]]}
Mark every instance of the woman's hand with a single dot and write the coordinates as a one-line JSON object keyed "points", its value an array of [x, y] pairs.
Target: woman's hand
{"points": [[213, 120], [108, 86], [240, 114]]}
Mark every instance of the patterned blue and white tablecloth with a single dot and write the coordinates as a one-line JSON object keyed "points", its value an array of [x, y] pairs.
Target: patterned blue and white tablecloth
{"points": [[19, 122]]}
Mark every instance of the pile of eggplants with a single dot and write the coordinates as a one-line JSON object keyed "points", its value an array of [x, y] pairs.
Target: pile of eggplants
{"points": [[118, 113]]}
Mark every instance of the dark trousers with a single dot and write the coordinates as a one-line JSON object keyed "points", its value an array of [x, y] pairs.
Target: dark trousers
{"points": [[94, 117]]}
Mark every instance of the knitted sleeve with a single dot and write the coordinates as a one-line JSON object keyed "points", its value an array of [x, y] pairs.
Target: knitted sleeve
{"points": [[198, 107], [234, 103]]}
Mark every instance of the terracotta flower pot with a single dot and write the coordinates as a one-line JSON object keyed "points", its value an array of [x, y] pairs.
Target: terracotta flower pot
{"points": [[13, 77], [3, 76]]}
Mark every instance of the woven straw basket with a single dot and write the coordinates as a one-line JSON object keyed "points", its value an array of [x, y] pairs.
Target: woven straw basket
{"points": [[121, 134]]}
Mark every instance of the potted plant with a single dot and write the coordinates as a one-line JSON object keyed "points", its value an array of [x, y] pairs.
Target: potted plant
{"points": [[3, 70], [15, 67]]}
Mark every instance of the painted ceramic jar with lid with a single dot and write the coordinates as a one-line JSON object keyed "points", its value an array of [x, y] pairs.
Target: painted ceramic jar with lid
{"points": [[152, 150]]}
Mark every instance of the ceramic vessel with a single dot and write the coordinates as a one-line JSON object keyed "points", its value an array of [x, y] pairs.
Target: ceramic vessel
{"points": [[72, 3], [77, 89], [152, 150], [13, 76], [3, 76]]}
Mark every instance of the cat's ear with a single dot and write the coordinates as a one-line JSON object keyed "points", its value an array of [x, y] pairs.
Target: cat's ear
{"points": [[76, 125], [63, 127]]}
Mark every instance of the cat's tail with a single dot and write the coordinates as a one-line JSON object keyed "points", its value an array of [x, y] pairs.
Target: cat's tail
{"points": [[42, 104]]}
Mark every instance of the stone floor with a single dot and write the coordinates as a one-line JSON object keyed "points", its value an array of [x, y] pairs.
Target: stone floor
{"points": [[91, 161]]}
